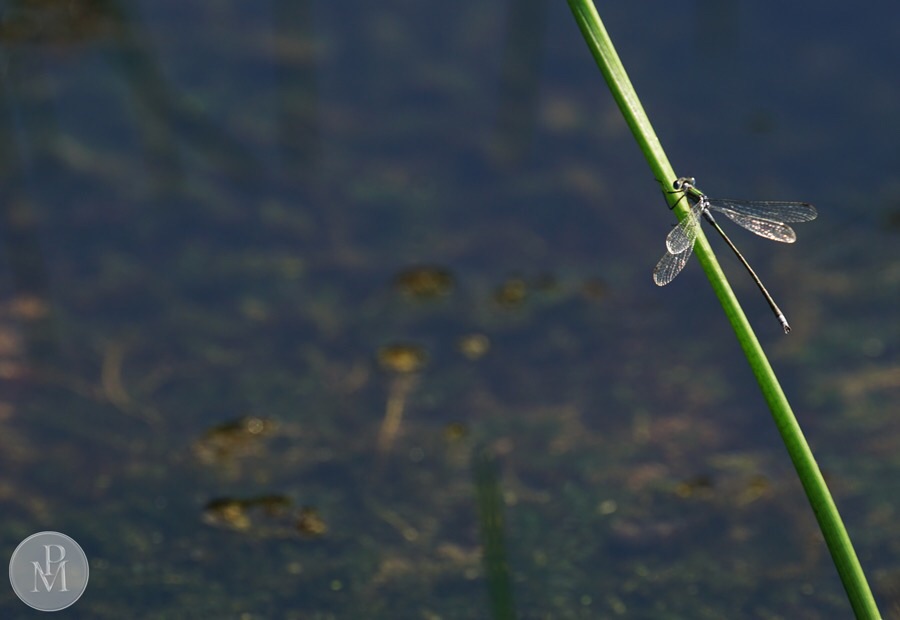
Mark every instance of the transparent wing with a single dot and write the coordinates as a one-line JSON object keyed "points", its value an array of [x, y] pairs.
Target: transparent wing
{"points": [[670, 265], [767, 210], [683, 235], [777, 231]]}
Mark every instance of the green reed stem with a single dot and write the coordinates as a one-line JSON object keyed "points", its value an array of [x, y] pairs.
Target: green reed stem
{"points": [[823, 506]]}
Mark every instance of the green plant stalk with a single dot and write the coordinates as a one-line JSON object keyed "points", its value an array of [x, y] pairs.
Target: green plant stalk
{"points": [[845, 559], [490, 516]]}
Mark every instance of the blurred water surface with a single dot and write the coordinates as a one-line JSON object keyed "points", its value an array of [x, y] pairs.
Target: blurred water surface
{"points": [[305, 304]]}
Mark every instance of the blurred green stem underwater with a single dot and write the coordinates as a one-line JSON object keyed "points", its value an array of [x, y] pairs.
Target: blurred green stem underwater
{"points": [[490, 513], [829, 519]]}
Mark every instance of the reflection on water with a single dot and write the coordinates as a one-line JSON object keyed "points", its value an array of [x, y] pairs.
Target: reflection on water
{"points": [[424, 282], [275, 274], [405, 360], [265, 515], [235, 513], [402, 357], [511, 293], [474, 346], [230, 440]]}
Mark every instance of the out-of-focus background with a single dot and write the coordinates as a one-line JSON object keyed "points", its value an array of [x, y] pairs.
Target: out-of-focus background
{"points": [[344, 309]]}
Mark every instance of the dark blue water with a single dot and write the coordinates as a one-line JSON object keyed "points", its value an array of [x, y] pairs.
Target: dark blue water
{"points": [[220, 376]]}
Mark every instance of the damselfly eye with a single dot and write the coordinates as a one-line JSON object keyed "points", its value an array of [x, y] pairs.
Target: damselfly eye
{"points": [[683, 182]]}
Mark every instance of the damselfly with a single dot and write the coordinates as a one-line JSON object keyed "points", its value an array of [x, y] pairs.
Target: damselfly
{"points": [[765, 218]]}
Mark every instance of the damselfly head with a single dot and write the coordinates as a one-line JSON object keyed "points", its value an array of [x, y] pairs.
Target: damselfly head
{"points": [[683, 183]]}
